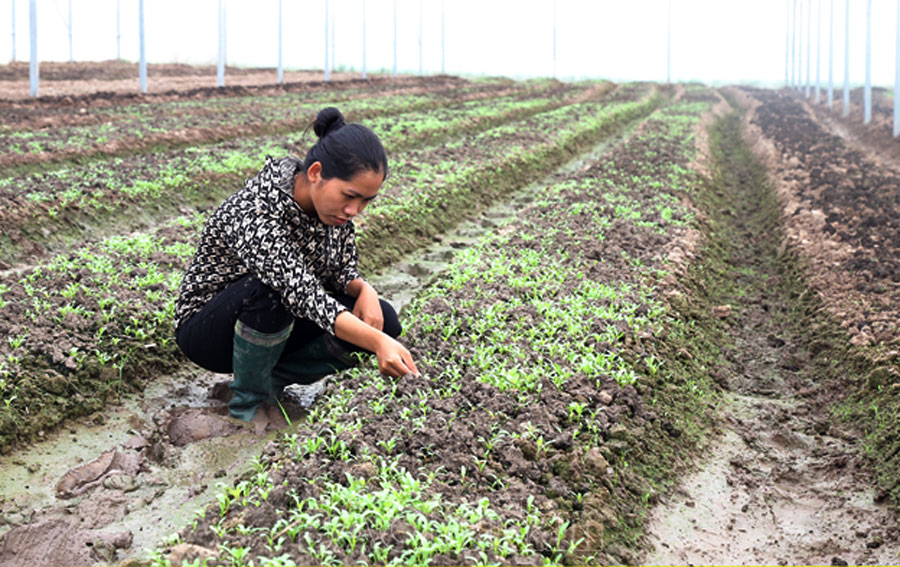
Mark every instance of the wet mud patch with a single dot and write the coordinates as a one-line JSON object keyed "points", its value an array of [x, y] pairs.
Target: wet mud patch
{"points": [[785, 482], [113, 486]]}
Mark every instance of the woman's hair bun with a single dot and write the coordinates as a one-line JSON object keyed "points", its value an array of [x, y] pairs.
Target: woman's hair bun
{"points": [[328, 120]]}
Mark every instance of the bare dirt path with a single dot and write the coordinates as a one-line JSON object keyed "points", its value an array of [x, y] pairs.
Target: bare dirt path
{"points": [[785, 482]]}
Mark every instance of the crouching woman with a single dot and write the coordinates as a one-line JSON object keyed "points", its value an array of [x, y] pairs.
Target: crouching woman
{"points": [[273, 294]]}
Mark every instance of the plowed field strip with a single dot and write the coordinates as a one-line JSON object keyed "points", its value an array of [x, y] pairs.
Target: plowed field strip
{"points": [[89, 323], [550, 385], [150, 127], [47, 209]]}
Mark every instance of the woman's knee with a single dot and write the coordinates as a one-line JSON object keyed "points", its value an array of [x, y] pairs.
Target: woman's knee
{"points": [[261, 307], [392, 325]]}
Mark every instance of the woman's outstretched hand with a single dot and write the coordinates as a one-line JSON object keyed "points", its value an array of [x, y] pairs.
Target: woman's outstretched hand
{"points": [[394, 359]]}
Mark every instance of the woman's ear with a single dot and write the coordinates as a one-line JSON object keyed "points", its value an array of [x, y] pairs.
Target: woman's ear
{"points": [[314, 172]]}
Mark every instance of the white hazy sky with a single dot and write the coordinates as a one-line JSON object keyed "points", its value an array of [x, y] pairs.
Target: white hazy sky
{"points": [[715, 41]]}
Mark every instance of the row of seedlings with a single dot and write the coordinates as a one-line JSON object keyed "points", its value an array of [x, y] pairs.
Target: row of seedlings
{"points": [[67, 202], [112, 130], [99, 318], [550, 393]]}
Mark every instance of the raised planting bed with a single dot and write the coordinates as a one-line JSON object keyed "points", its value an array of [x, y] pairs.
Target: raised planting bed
{"points": [[841, 214], [88, 323], [121, 130], [556, 395], [45, 209]]}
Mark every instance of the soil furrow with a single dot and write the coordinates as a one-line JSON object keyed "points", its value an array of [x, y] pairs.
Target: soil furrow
{"points": [[784, 482], [180, 452]]}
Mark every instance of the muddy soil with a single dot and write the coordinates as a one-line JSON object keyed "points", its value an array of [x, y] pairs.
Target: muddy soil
{"points": [[843, 212], [784, 482], [111, 486]]}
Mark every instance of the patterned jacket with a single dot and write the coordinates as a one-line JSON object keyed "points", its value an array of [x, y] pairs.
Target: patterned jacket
{"points": [[261, 230]]}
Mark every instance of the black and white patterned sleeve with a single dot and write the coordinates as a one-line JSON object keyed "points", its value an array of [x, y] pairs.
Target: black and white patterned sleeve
{"points": [[349, 259], [261, 241]]}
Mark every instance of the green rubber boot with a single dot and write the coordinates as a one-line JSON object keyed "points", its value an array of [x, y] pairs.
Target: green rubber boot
{"points": [[322, 356], [255, 354]]}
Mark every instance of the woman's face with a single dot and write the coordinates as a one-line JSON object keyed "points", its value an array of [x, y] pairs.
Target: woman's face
{"points": [[337, 201]]}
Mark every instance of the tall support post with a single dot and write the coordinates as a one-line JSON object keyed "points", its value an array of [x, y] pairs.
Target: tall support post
{"points": [[808, 46], [421, 8], [831, 58], [897, 77], [364, 38], [818, 98], [280, 42], [142, 53], [846, 111], [554, 39], [800, 48], [787, 44], [395, 38], [443, 46], [794, 46], [71, 57], [669, 46], [33, 63], [333, 19], [220, 73], [327, 59], [867, 103], [13, 2], [119, 29]]}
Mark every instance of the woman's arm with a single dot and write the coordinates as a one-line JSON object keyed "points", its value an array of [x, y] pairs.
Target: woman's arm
{"points": [[393, 358], [367, 307]]}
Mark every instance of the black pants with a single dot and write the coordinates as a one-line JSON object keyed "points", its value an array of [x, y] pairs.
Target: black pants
{"points": [[207, 337]]}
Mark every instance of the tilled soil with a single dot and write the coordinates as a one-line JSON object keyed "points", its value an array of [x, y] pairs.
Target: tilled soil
{"points": [[784, 482]]}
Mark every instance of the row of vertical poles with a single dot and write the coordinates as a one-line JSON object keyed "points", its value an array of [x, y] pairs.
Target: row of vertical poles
{"points": [[220, 74], [794, 60]]}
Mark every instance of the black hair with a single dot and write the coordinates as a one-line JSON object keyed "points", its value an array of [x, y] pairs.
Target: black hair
{"points": [[344, 149]]}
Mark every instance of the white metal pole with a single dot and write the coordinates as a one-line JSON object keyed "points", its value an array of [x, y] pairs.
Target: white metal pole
{"points": [[13, 2], [794, 46], [220, 73], [280, 42], [800, 48], [846, 111], [808, 46], [669, 46], [897, 77], [364, 38], [395, 38], [831, 58], [33, 64], [142, 66], [119, 29], [327, 69], [333, 19], [867, 103], [787, 44], [443, 51], [421, 8], [554, 39], [71, 58], [818, 51]]}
